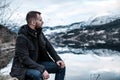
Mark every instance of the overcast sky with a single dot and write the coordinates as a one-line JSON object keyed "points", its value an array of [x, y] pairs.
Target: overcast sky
{"points": [[64, 12]]}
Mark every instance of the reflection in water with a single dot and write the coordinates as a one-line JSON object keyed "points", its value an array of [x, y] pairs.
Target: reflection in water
{"points": [[94, 64], [87, 66], [99, 52], [91, 67]]}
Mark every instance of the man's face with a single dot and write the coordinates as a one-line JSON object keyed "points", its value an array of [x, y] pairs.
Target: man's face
{"points": [[39, 21]]}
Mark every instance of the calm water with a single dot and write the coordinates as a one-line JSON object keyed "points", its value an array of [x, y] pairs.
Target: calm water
{"points": [[92, 67], [88, 66]]}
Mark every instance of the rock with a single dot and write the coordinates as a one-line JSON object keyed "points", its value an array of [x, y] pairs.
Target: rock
{"points": [[7, 77], [7, 42]]}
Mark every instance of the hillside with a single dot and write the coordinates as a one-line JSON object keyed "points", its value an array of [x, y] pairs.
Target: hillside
{"points": [[7, 41], [105, 36]]}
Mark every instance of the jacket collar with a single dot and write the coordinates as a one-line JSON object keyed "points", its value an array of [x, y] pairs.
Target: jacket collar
{"points": [[32, 32], [25, 29]]}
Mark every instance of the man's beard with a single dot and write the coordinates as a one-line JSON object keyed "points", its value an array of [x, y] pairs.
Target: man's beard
{"points": [[38, 27]]}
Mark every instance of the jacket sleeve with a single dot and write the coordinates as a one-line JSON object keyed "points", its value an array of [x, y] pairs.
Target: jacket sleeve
{"points": [[22, 52], [52, 51]]}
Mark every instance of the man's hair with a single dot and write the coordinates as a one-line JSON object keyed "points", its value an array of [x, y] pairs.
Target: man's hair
{"points": [[31, 15]]}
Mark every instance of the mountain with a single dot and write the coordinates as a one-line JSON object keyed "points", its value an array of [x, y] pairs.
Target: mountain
{"points": [[104, 36], [99, 20]]}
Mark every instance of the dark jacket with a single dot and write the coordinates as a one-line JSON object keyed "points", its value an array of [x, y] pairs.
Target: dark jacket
{"points": [[31, 47]]}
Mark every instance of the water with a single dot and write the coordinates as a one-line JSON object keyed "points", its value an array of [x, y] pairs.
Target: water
{"points": [[93, 64], [87, 66], [91, 67]]}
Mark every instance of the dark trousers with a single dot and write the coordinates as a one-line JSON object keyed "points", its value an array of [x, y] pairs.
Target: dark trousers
{"points": [[51, 67]]}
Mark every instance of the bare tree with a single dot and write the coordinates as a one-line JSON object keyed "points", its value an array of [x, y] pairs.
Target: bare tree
{"points": [[5, 11], [3, 6]]}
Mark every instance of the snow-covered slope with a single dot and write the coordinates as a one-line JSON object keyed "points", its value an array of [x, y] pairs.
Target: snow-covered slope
{"points": [[92, 36], [99, 20]]}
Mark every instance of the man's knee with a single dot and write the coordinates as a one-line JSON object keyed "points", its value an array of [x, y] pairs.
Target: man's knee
{"points": [[37, 74]]}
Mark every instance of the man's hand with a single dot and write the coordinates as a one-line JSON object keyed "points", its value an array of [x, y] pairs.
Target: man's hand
{"points": [[45, 75], [60, 63]]}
